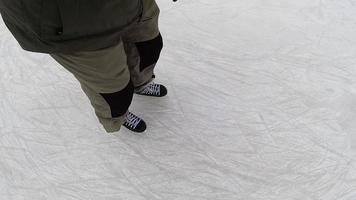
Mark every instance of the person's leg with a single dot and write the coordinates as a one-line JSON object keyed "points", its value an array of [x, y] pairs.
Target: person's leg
{"points": [[143, 44], [105, 79]]}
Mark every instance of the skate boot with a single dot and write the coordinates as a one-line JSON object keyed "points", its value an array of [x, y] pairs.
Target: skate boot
{"points": [[134, 123], [152, 89]]}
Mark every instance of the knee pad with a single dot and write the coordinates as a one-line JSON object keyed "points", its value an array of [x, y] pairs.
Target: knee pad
{"points": [[120, 101], [149, 51]]}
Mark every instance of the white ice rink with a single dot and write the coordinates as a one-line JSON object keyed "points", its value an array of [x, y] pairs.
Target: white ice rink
{"points": [[261, 106]]}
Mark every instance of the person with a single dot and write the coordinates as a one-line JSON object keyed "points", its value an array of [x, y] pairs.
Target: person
{"points": [[110, 47]]}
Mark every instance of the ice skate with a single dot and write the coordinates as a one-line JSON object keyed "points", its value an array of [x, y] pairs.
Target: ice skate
{"points": [[152, 89], [134, 123]]}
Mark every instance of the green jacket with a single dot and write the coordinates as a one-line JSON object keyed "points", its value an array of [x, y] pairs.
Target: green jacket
{"points": [[63, 26]]}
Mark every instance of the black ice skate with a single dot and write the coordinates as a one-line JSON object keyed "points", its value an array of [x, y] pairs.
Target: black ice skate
{"points": [[134, 123], [152, 89]]}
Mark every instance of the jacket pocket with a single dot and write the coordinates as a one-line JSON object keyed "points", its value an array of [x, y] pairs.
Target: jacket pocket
{"points": [[29, 14], [81, 18]]}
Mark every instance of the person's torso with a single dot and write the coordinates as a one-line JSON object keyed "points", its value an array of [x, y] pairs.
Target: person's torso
{"points": [[62, 21]]}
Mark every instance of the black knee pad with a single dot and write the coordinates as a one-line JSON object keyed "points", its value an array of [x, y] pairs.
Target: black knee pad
{"points": [[149, 51], [120, 102]]}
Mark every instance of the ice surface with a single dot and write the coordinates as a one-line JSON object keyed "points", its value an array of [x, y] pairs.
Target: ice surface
{"points": [[261, 106]]}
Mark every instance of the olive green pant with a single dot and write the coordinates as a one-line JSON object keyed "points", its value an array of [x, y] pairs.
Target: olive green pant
{"points": [[108, 76]]}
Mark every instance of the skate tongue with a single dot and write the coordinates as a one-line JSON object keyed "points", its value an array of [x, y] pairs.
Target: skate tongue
{"points": [[132, 120], [143, 87]]}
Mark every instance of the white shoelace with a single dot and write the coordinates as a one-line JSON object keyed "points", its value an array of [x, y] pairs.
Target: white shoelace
{"points": [[132, 120], [151, 89]]}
